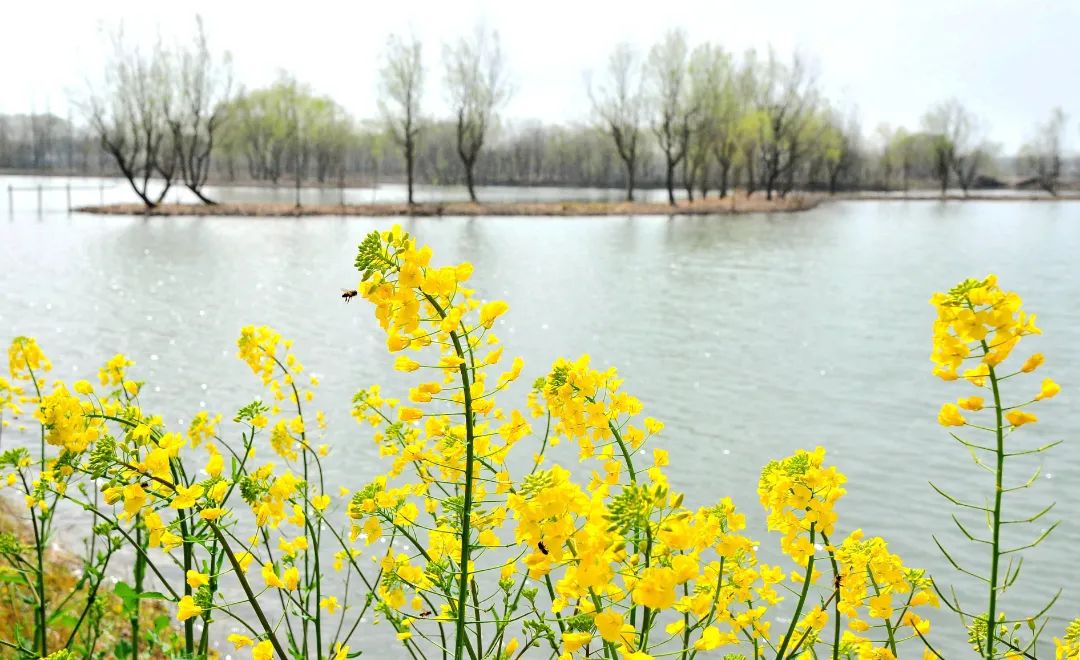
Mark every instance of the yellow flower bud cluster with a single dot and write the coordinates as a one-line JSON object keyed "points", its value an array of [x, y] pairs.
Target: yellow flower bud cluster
{"points": [[976, 320]]}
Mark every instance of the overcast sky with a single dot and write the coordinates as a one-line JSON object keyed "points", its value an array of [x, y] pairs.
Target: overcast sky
{"points": [[1009, 62]]}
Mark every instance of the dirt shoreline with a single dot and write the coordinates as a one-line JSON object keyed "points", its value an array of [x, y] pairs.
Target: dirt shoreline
{"points": [[736, 204]]}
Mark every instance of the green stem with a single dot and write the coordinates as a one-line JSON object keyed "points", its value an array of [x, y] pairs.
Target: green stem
{"points": [[247, 592], [715, 598], [999, 474], [625, 452], [645, 627], [802, 598], [836, 598], [686, 625], [40, 632], [139, 573], [189, 625], [890, 641], [466, 511], [40, 614], [91, 596]]}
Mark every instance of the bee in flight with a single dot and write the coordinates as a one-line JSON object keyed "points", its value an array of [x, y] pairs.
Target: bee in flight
{"points": [[348, 294], [543, 548], [424, 614]]}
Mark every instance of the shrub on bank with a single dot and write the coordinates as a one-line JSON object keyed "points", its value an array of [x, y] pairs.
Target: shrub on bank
{"points": [[492, 548]]}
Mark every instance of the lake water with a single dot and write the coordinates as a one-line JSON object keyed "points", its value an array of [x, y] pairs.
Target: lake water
{"points": [[750, 336]]}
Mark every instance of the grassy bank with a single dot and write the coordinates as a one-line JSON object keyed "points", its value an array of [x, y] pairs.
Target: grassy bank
{"points": [[87, 618], [730, 204]]}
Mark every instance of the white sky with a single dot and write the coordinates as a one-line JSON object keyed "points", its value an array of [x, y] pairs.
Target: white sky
{"points": [[1009, 62]]}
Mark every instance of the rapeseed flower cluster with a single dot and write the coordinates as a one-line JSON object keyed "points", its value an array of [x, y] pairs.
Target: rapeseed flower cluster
{"points": [[619, 555], [476, 541], [980, 324]]}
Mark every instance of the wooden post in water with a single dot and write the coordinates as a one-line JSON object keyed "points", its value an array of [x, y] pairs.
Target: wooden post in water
{"points": [[39, 199], [11, 201], [67, 188], [101, 192]]}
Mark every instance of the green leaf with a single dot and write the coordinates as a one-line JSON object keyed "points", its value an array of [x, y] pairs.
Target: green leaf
{"points": [[13, 578], [63, 619], [129, 596]]}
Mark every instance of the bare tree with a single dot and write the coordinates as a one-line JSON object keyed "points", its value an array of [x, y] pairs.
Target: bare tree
{"points": [[706, 74], [203, 86], [130, 117], [839, 147], [477, 84], [401, 83], [956, 149], [974, 163], [788, 96], [259, 128], [733, 148], [296, 120], [889, 155], [669, 93], [911, 150], [1042, 155], [331, 136], [619, 102], [750, 133]]}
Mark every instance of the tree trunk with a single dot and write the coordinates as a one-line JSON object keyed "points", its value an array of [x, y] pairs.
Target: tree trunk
{"points": [[630, 167], [671, 182], [469, 182], [142, 195], [409, 158], [197, 190], [770, 183], [724, 167]]}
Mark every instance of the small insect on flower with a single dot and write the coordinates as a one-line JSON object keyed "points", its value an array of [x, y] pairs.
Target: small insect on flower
{"points": [[837, 582], [348, 294], [424, 614], [543, 548]]}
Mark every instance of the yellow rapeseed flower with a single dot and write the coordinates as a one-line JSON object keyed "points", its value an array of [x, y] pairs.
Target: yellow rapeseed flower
{"points": [[239, 641], [187, 608], [1019, 417], [950, 416], [264, 650], [195, 579], [609, 624], [1049, 390]]}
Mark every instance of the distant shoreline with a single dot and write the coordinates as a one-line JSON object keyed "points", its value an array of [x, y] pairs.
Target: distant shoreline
{"points": [[926, 196], [734, 204], [730, 205]]}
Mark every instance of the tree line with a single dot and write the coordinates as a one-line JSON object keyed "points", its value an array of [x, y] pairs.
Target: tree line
{"points": [[695, 119]]}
